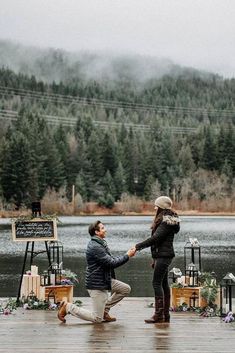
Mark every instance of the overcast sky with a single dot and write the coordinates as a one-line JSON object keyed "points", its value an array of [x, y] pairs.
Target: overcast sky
{"points": [[196, 33]]}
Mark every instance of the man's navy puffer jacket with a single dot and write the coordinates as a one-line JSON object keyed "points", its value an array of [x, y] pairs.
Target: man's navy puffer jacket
{"points": [[100, 265]]}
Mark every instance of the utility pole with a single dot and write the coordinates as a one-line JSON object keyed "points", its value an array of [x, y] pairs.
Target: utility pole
{"points": [[73, 198]]}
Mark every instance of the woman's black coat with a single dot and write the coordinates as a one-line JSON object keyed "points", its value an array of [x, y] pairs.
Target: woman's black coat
{"points": [[161, 241]]}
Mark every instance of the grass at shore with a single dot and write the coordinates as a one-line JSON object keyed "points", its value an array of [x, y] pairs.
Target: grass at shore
{"points": [[110, 212]]}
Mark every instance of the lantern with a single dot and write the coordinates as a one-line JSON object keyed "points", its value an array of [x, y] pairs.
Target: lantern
{"points": [[56, 253], [36, 208], [31, 298], [194, 300], [58, 276], [227, 294], [55, 274], [44, 279], [213, 278], [191, 275], [192, 254], [174, 273]]}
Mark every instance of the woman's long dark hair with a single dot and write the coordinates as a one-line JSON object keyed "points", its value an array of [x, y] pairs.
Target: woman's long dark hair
{"points": [[159, 216], [157, 219]]}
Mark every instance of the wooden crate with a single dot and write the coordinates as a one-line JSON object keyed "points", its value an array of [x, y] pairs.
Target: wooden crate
{"points": [[182, 295], [30, 283], [61, 292]]}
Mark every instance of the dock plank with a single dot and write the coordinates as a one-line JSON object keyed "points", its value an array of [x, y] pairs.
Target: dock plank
{"points": [[40, 331]]}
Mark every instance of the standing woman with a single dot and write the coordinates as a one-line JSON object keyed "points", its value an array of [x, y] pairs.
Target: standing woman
{"points": [[164, 227]]}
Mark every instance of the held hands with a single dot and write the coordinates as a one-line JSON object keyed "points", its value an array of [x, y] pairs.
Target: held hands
{"points": [[131, 252], [152, 264]]}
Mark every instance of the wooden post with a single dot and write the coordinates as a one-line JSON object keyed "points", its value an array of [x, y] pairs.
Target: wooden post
{"points": [[173, 194], [73, 198]]}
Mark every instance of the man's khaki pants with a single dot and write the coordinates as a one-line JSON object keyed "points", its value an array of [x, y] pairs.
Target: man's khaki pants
{"points": [[101, 301]]}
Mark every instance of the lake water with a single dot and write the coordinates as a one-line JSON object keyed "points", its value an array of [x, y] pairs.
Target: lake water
{"points": [[215, 234]]}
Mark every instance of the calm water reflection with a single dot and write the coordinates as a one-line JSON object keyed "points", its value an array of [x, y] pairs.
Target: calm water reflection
{"points": [[215, 234]]}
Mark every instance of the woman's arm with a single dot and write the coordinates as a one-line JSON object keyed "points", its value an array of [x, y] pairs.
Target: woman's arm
{"points": [[157, 238]]}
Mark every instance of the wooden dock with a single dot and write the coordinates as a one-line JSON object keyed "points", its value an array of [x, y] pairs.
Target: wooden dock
{"points": [[30, 331]]}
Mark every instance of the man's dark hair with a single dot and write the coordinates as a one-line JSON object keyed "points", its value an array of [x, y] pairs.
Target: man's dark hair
{"points": [[94, 227]]}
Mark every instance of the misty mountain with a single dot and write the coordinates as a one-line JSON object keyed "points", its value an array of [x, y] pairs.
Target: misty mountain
{"points": [[58, 65], [111, 125]]}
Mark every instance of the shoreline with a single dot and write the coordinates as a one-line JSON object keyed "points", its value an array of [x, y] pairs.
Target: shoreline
{"points": [[16, 214]]}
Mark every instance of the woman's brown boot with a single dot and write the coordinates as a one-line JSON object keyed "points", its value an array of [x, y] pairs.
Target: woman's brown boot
{"points": [[158, 315], [167, 301]]}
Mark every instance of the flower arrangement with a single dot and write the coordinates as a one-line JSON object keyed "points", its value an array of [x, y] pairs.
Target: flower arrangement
{"points": [[9, 307], [229, 317], [23, 218], [39, 305], [69, 277], [33, 303], [210, 289], [184, 307]]}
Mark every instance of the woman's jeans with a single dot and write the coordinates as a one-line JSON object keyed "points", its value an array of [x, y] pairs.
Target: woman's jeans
{"points": [[160, 277]]}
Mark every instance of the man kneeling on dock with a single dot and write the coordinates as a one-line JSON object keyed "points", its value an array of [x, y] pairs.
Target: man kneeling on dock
{"points": [[100, 279]]}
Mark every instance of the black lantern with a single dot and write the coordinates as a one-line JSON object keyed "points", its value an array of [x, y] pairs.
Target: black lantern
{"points": [[194, 300], [31, 298], [58, 276], [174, 273], [191, 276], [54, 274], [44, 279], [51, 277], [36, 208], [192, 254], [56, 253], [213, 278], [227, 294]]}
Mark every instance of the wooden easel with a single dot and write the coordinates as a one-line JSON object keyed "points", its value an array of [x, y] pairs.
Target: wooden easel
{"points": [[36, 212]]}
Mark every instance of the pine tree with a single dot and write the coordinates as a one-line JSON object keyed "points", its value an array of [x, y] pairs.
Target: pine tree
{"points": [[16, 170], [148, 187], [186, 161], [94, 154], [108, 184], [168, 162], [210, 155], [110, 161], [80, 185], [120, 181]]}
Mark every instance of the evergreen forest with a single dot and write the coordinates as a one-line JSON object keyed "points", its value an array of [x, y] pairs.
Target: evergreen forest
{"points": [[110, 137]]}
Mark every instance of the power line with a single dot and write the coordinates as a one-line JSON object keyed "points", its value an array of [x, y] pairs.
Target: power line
{"points": [[72, 121], [68, 99]]}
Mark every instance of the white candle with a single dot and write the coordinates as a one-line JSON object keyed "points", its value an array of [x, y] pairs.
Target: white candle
{"points": [[34, 270], [52, 279]]}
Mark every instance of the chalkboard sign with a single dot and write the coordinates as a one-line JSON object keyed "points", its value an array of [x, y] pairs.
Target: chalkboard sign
{"points": [[34, 230]]}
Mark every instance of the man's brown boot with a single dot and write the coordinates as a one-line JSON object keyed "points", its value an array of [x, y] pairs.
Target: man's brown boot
{"points": [[62, 312], [108, 318]]}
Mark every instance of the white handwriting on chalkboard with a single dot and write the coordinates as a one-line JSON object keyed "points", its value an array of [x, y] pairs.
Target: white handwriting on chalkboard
{"points": [[34, 230]]}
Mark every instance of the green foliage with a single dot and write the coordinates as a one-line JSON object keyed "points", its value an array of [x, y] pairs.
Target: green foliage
{"points": [[106, 201], [210, 289], [8, 307], [103, 163]]}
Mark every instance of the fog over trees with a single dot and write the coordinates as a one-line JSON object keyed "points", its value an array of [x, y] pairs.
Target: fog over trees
{"points": [[118, 127]]}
